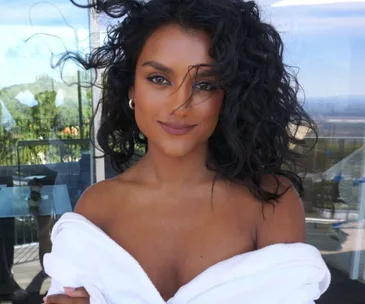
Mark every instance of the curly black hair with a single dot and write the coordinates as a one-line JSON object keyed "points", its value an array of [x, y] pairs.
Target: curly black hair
{"points": [[260, 113]]}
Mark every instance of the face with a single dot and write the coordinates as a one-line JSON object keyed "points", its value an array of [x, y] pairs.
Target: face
{"points": [[176, 104]]}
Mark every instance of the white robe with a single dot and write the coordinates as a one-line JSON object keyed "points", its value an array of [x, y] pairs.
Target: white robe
{"points": [[83, 255]]}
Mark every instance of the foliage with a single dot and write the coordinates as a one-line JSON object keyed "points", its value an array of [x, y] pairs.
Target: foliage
{"points": [[43, 119]]}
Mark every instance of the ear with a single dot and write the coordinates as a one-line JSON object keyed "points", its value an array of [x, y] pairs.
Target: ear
{"points": [[131, 93]]}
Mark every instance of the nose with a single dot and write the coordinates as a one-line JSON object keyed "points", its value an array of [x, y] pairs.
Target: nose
{"points": [[181, 99]]}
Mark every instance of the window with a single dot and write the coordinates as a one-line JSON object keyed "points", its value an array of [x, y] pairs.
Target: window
{"points": [[45, 154], [325, 40]]}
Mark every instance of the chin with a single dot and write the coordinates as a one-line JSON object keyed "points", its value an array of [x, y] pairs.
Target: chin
{"points": [[172, 149]]}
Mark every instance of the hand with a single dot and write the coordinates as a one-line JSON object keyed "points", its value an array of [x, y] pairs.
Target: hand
{"points": [[72, 296]]}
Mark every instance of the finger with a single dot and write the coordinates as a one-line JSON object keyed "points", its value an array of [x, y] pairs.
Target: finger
{"points": [[76, 292], [64, 299], [57, 299]]}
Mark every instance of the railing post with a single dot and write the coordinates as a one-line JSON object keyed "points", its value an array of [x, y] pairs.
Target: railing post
{"points": [[97, 160]]}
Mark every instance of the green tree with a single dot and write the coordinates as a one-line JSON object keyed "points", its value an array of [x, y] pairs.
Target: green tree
{"points": [[44, 114], [1, 122], [7, 155]]}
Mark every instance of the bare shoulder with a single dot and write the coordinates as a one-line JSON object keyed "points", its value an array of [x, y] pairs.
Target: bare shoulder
{"points": [[282, 221], [97, 201]]}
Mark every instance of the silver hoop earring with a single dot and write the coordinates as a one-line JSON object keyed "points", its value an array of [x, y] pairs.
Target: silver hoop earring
{"points": [[131, 104]]}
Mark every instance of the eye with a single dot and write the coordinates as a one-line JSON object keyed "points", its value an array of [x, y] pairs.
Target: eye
{"points": [[205, 86], [158, 80]]}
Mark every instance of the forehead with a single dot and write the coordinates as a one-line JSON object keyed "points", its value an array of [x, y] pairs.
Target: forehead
{"points": [[175, 46]]}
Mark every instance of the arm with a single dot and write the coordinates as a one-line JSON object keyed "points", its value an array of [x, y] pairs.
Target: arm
{"points": [[68, 296], [284, 221], [96, 202], [89, 205]]}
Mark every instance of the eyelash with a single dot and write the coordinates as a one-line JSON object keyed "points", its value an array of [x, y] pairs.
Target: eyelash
{"points": [[165, 82]]}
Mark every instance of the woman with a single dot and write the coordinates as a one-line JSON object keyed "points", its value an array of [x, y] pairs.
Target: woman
{"points": [[203, 85]]}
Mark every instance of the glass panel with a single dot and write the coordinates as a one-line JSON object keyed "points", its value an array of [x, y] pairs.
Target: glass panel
{"points": [[45, 154], [325, 39]]}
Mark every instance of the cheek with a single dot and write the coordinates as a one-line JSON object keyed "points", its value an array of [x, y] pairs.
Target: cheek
{"points": [[145, 114], [209, 113], [147, 103], [213, 106]]}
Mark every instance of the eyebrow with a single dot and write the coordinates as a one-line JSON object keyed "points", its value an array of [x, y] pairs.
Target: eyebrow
{"points": [[204, 70], [158, 66]]}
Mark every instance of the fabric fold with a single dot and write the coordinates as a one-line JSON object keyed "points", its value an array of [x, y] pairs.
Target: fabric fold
{"points": [[83, 255]]}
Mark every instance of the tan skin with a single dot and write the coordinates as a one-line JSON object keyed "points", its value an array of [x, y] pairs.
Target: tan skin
{"points": [[161, 210]]}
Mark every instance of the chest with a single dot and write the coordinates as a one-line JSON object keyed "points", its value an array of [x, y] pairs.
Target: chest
{"points": [[175, 243]]}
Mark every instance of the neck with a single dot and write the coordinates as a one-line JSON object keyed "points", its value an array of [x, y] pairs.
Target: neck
{"points": [[171, 171]]}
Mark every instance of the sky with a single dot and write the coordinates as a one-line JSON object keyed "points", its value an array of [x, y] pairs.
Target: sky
{"points": [[325, 41], [32, 31]]}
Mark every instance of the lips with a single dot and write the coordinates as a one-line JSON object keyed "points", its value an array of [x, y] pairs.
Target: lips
{"points": [[176, 128]]}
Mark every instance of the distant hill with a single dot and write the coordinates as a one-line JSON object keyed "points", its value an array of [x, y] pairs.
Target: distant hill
{"points": [[338, 116], [68, 110], [336, 106]]}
